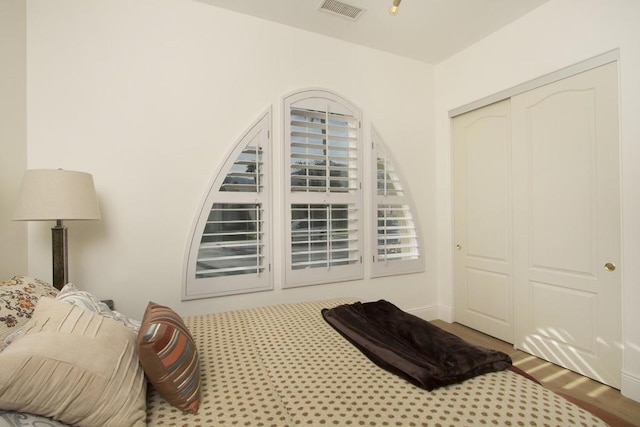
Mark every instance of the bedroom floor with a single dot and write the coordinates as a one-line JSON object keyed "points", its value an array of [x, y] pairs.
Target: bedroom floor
{"points": [[553, 376]]}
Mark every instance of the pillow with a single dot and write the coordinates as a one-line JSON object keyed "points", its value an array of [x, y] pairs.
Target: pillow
{"points": [[83, 299], [19, 419], [74, 366], [18, 297], [169, 357]]}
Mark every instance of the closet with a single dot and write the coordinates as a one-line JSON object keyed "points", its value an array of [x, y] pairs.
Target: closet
{"points": [[537, 242]]}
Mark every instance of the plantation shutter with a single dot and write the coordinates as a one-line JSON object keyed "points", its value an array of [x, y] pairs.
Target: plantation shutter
{"points": [[324, 218], [397, 244], [324, 149], [232, 242], [229, 253], [323, 235], [245, 174]]}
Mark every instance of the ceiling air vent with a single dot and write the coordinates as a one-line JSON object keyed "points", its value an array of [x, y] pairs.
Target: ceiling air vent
{"points": [[342, 9]]}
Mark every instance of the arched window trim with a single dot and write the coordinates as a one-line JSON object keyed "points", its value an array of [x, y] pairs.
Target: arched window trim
{"points": [[194, 287]]}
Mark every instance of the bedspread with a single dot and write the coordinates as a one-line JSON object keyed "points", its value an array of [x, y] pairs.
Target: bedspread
{"points": [[284, 365]]}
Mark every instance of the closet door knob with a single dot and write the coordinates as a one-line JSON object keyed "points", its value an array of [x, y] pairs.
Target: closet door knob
{"points": [[458, 246], [610, 266]]}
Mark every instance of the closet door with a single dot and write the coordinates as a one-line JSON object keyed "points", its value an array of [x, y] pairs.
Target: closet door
{"points": [[567, 223], [483, 296]]}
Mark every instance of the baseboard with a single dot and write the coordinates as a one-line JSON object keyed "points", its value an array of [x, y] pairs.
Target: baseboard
{"points": [[426, 313], [630, 386], [445, 314], [433, 312]]}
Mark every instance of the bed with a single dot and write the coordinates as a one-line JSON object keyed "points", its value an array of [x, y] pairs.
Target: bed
{"points": [[284, 365]]}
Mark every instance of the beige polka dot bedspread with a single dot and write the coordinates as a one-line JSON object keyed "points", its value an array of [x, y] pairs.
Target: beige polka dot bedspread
{"points": [[284, 366]]}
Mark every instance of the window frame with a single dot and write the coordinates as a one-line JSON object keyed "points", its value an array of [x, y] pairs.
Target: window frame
{"points": [[378, 267], [334, 159], [259, 133], [334, 104]]}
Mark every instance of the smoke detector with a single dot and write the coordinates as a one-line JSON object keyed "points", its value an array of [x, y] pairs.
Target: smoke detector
{"points": [[342, 9]]}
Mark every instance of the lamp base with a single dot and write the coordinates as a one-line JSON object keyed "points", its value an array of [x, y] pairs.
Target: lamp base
{"points": [[59, 249]]}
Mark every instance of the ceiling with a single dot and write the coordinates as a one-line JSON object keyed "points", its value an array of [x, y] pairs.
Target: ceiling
{"points": [[426, 30]]}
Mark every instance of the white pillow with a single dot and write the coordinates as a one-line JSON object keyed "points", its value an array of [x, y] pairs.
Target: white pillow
{"points": [[74, 366], [83, 299], [22, 419]]}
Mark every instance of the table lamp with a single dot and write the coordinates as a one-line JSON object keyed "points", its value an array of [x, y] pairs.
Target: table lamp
{"points": [[57, 195]]}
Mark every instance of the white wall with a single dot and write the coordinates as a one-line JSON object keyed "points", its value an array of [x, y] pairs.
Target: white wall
{"points": [[558, 34], [150, 95], [13, 127]]}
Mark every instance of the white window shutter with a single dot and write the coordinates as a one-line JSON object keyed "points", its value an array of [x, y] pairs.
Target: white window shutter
{"points": [[323, 150], [396, 248], [229, 251]]}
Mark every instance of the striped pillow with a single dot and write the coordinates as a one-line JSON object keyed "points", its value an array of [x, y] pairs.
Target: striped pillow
{"points": [[169, 357]]}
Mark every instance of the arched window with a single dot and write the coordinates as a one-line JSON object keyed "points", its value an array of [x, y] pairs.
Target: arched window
{"points": [[319, 210], [230, 248], [396, 248], [323, 146]]}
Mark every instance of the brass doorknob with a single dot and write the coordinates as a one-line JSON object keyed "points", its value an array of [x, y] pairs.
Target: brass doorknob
{"points": [[610, 266], [458, 246]]}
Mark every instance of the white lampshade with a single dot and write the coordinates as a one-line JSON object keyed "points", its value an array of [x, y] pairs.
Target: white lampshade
{"points": [[56, 194]]}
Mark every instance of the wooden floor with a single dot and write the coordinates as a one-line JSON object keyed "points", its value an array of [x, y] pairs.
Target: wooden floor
{"points": [[553, 376]]}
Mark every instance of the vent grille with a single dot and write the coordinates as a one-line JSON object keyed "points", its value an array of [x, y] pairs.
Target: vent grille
{"points": [[342, 9]]}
